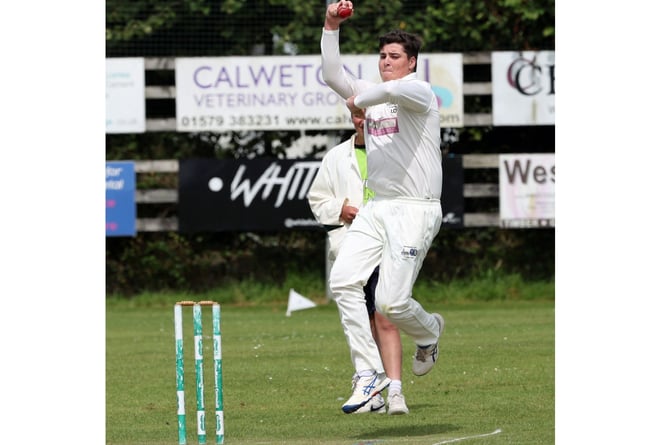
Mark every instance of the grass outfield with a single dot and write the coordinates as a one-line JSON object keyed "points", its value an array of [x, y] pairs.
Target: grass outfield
{"points": [[285, 378]]}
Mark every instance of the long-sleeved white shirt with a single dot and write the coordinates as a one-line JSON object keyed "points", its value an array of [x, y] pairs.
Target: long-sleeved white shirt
{"points": [[402, 132], [337, 180]]}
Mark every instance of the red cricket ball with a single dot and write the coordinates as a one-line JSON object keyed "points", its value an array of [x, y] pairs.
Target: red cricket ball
{"points": [[344, 12]]}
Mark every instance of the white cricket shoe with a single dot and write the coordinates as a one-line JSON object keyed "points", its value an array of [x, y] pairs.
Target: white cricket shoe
{"points": [[426, 356], [397, 405], [364, 388], [376, 405]]}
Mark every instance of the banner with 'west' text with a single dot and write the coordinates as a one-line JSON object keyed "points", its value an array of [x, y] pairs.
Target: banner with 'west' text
{"points": [[527, 190]]}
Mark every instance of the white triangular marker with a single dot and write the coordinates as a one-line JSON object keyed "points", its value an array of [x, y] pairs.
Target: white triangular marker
{"points": [[297, 302]]}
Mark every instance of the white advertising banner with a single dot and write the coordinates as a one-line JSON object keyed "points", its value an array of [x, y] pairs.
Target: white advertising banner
{"points": [[125, 95], [523, 88], [288, 92], [527, 190], [444, 72]]}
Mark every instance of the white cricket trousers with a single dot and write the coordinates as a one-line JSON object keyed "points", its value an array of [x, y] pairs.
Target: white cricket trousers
{"points": [[394, 233]]}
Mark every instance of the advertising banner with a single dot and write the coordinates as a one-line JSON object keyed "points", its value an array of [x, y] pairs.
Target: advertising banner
{"points": [[120, 198], [527, 190], [523, 88], [271, 194], [125, 95], [288, 92], [254, 195], [452, 192]]}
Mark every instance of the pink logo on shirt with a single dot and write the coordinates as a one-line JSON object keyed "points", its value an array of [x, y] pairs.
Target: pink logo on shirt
{"points": [[382, 126]]}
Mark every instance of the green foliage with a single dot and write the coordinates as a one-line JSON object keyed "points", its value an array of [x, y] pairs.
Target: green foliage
{"points": [[485, 25], [164, 262], [172, 261], [127, 21], [198, 263], [225, 145], [477, 252], [444, 25], [239, 27], [191, 28]]}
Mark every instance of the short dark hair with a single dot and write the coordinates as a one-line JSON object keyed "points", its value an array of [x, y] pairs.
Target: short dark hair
{"points": [[410, 42]]}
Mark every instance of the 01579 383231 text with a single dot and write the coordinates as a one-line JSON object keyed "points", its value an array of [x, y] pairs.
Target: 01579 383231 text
{"points": [[259, 120], [210, 121]]}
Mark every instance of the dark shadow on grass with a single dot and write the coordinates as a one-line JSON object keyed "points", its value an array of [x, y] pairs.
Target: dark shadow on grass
{"points": [[410, 430]]}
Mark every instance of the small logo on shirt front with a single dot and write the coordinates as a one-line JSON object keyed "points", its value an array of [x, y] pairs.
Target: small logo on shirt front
{"points": [[382, 126], [409, 252]]}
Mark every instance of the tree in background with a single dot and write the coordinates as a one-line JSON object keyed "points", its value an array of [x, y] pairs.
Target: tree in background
{"points": [[190, 28]]}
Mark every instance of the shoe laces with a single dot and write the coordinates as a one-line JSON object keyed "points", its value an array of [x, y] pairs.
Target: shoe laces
{"points": [[354, 380], [395, 395], [367, 388], [423, 353]]}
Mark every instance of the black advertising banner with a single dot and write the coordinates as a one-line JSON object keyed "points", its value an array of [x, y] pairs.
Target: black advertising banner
{"points": [[271, 194], [245, 195], [452, 192]]}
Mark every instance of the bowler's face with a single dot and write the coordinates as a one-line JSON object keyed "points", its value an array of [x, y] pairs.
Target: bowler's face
{"points": [[358, 122], [394, 63]]}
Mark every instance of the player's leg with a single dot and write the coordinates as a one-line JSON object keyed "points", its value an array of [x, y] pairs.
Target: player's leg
{"points": [[388, 339], [378, 403], [357, 258], [410, 226]]}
